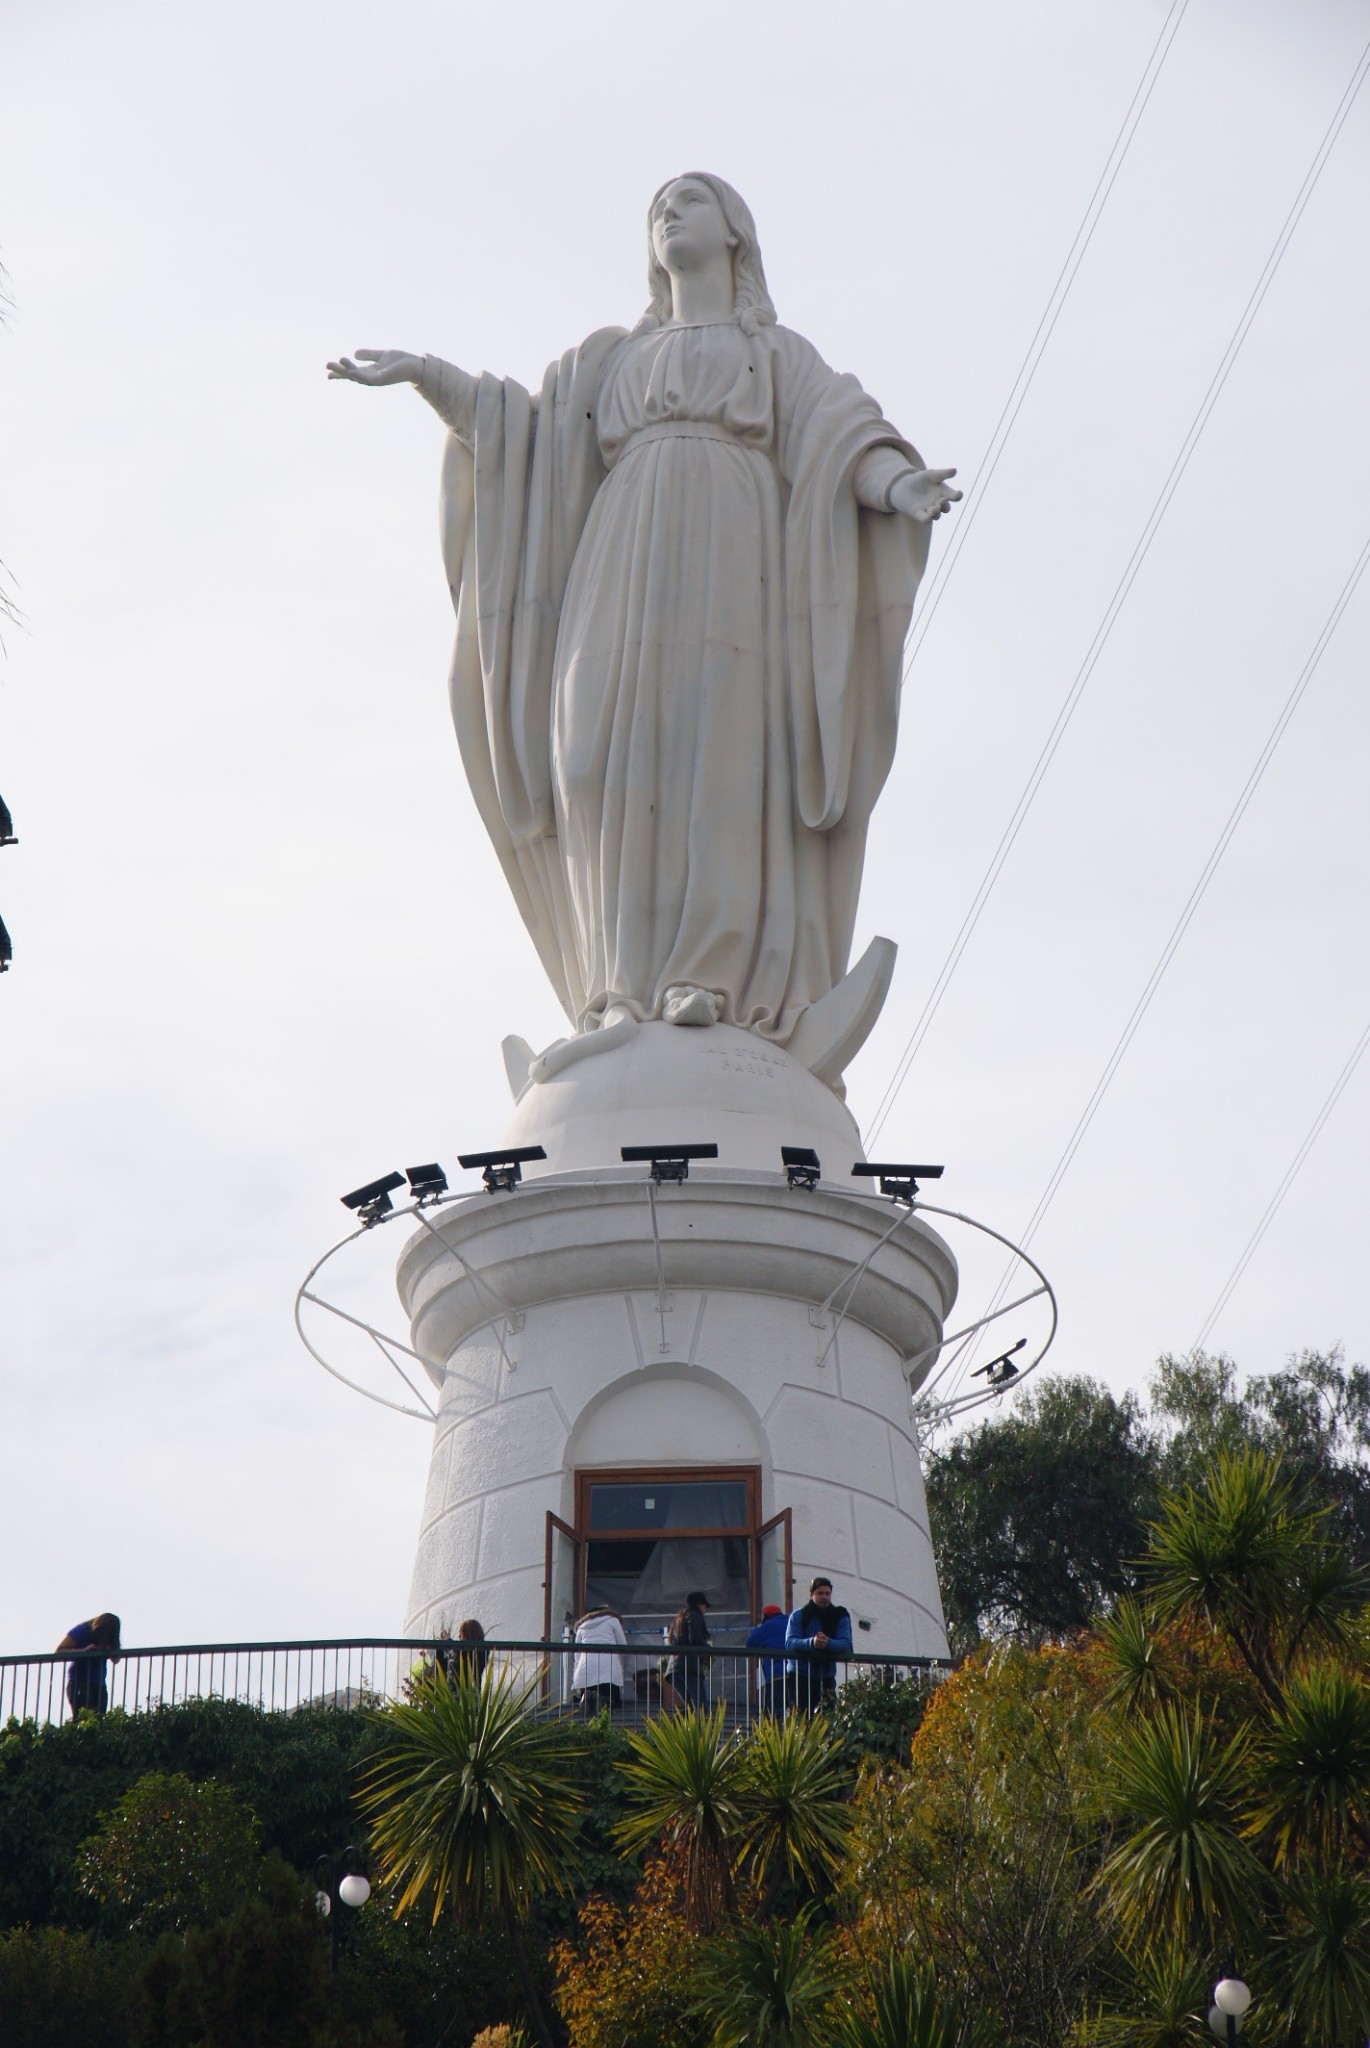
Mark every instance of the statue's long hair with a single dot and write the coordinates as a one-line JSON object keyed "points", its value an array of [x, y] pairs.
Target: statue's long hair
{"points": [[752, 305]]}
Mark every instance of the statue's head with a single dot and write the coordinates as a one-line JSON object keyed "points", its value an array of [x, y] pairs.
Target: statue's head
{"points": [[698, 208]]}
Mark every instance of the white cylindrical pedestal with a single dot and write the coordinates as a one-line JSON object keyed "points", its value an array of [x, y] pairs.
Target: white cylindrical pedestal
{"points": [[568, 1337]]}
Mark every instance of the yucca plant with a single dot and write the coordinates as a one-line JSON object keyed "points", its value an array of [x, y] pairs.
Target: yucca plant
{"points": [[1322, 1960], [770, 1987], [1140, 1673], [793, 1792], [1244, 1554], [1160, 2001], [1314, 1764], [1183, 1878], [474, 1802], [683, 1775], [904, 2009]]}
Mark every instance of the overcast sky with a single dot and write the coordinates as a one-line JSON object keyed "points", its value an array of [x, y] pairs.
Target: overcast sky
{"points": [[262, 949]]}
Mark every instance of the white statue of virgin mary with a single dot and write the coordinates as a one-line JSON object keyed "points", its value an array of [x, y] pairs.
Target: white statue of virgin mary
{"points": [[683, 576]]}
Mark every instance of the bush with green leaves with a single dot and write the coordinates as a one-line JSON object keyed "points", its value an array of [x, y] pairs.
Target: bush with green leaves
{"points": [[171, 1853]]}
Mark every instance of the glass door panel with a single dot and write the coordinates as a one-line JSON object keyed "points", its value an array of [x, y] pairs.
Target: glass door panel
{"points": [[561, 1598], [773, 1552]]}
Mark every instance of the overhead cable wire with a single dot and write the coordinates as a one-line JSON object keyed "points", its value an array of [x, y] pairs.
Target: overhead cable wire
{"points": [[1182, 923], [1060, 292], [1115, 604], [1291, 1174]]}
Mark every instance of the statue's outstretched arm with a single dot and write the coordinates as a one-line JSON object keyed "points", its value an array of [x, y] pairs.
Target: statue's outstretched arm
{"points": [[450, 391]]}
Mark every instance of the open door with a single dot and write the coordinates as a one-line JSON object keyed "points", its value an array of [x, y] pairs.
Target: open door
{"points": [[773, 1563], [560, 1599]]}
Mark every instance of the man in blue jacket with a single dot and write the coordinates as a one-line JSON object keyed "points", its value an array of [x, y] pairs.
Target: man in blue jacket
{"points": [[816, 1636]]}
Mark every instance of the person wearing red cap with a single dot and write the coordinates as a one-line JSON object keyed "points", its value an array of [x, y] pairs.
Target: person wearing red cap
{"points": [[769, 1634]]}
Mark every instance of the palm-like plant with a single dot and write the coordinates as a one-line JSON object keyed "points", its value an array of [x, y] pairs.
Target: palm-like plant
{"points": [[475, 1801], [1322, 1960], [792, 1789], [770, 1987], [1159, 2003], [683, 1777], [1315, 1766], [1244, 1554], [907, 2011], [1140, 1673], [1183, 1877]]}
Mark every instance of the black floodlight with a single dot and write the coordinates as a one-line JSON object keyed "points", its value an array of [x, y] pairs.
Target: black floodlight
{"points": [[501, 1171], [1001, 1370], [7, 837], [901, 1182], [668, 1162], [802, 1166], [6, 949], [373, 1201], [426, 1183]]}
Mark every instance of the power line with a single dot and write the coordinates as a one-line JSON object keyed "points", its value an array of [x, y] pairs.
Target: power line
{"points": [[1182, 923], [1060, 292], [1291, 1174], [1115, 604]]}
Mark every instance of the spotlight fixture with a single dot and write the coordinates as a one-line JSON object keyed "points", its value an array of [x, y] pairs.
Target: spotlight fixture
{"points": [[1001, 1370], [7, 837], [6, 949], [426, 1183], [900, 1182], [373, 1201], [668, 1162], [501, 1171], [802, 1166]]}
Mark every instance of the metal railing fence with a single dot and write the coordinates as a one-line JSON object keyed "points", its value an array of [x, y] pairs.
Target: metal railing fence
{"points": [[562, 1678]]}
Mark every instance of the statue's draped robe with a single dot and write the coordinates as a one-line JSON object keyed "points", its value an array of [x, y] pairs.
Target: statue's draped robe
{"points": [[678, 654]]}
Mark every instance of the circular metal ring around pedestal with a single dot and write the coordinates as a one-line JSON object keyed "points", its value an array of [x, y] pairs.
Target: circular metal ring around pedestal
{"points": [[838, 1303]]}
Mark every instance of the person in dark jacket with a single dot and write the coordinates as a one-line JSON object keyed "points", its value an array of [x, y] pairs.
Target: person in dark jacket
{"points": [[471, 1654], [816, 1636], [86, 1687], [689, 1676], [769, 1634]]}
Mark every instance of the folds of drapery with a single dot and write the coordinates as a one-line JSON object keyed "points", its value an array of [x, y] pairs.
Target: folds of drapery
{"points": [[514, 508]]}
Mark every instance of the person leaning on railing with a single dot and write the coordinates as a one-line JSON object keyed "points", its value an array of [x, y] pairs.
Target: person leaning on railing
{"points": [[769, 1634], [597, 1674], [817, 1636], [86, 1687]]}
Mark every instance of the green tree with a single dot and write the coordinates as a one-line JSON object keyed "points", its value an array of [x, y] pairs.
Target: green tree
{"points": [[1039, 1515], [170, 1853], [474, 1801], [982, 1851]]}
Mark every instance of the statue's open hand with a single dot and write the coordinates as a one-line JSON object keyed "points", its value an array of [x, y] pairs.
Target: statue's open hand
{"points": [[924, 494], [379, 366]]}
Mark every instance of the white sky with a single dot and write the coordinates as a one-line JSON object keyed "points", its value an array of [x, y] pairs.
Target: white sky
{"points": [[263, 951]]}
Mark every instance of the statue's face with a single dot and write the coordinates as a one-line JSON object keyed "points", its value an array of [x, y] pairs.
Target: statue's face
{"points": [[688, 228]]}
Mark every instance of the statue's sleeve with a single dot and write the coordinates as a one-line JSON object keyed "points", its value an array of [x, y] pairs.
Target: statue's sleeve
{"points": [[514, 502], [452, 393]]}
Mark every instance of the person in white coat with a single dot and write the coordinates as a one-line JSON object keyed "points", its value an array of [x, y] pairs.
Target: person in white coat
{"points": [[597, 1673]]}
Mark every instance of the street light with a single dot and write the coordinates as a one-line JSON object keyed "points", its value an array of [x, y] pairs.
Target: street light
{"points": [[1231, 1997], [340, 1880]]}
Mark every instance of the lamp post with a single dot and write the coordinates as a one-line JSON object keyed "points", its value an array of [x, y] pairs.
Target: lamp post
{"points": [[1231, 1997], [341, 1880]]}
